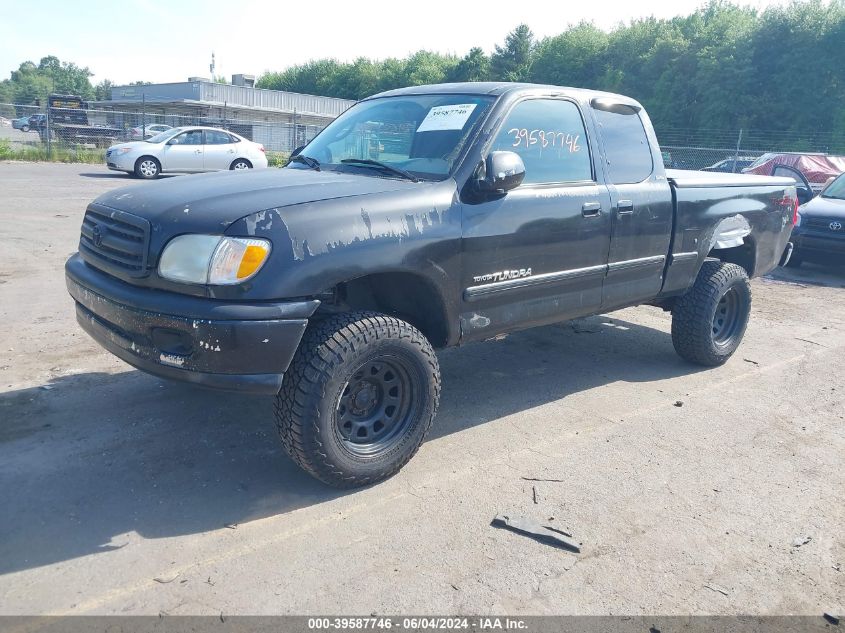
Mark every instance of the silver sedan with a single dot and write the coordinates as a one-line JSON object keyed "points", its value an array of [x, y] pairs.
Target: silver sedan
{"points": [[186, 149]]}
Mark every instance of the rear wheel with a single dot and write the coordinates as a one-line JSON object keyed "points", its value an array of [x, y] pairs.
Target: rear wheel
{"points": [[239, 164], [709, 321], [25, 128], [147, 168], [795, 260], [358, 398]]}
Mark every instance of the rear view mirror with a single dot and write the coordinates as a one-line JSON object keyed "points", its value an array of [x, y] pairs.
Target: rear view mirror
{"points": [[503, 171]]}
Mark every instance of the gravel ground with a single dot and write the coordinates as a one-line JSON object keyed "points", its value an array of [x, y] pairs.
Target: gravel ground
{"points": [[692, 491]]}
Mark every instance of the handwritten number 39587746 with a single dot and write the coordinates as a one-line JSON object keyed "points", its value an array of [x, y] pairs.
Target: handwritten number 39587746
{"points": [[545, 139]]}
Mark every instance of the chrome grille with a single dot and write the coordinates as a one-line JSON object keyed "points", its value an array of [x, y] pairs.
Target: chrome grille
{"points": [[115, 241]]}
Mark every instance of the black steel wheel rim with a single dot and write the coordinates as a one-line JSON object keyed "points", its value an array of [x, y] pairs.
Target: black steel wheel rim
{"points": [[727, 319], [374, 408]]}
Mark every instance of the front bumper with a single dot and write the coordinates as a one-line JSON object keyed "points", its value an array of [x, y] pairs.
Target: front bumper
{"points": [[241, 347], [818, 244], [120, 162]]}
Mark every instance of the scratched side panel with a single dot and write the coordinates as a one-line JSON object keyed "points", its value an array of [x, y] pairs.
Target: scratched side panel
{"points": [[706, 214], [318, 245]]}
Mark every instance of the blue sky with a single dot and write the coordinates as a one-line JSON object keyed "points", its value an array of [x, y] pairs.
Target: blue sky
{"points": [[160, 41]]}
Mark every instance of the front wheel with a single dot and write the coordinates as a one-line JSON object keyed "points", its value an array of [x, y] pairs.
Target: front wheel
{"points": [[358, 399], [709, 321], [147, 168], [25, 128], [240, 164]]}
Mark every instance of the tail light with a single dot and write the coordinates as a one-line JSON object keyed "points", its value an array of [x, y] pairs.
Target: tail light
{"points": [[795, 212]]}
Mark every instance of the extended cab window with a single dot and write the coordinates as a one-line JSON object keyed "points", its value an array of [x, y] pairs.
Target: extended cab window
{"points": [[625, 143], [549, 136]]}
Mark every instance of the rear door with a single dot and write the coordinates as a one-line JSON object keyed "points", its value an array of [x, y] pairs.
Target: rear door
{"points": [[184, 152], [641, 206], [537, 254], [219, 151]]}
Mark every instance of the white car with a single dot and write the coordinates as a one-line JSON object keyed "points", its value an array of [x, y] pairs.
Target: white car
{"points": [[142, 132], [186, 149]]}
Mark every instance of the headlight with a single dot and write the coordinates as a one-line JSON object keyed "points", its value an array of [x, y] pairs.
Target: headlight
{"points": [[124, 150], [212, 259]]}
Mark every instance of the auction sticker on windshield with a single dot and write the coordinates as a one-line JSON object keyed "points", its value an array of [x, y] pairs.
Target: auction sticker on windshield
{"points": [[446, 117]]}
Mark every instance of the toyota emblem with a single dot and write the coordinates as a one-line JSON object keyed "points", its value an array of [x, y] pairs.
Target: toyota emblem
{"points": [[97, 235], [836, 226]]}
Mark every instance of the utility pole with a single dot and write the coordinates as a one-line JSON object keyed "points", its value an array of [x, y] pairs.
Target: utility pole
{"points": [[143, 115], [736, 156]]}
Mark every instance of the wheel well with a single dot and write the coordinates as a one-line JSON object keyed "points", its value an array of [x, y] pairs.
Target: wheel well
{"points": [[407, 296], [744, 255], [157, 161], [247, 161]]}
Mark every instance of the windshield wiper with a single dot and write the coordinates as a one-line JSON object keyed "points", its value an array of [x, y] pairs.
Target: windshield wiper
{"points": [[313, 163], [366, 162]]}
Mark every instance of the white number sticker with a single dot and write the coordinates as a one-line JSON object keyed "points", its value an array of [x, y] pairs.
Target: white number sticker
{"points": [[447, 117]]}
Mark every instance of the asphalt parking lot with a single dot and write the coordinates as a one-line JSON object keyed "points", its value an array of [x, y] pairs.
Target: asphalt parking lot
{"points": [[692, 491]]}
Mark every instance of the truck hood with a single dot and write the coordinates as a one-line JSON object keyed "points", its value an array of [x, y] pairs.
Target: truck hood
{"points": [[824, 208], [211, 202]]}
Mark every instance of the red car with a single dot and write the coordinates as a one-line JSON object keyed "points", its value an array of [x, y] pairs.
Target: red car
{"points": [[816, 168]]}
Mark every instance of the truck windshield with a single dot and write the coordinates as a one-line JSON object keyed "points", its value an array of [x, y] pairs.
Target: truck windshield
{"points": [[419, 134]]}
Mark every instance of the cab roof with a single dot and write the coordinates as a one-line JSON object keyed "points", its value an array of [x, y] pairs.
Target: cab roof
{"points": [[499, 88]]}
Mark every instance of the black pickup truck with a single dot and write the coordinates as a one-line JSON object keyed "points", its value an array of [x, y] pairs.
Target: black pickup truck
{"points": [[421, 218]]}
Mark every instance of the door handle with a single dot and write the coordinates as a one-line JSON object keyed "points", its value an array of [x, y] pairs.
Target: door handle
{"points": [[625, 207], [591, 209]]}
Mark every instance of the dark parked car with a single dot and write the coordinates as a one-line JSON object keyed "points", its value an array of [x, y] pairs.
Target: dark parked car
{"points": [[38, 122], [421, 218], [819, 232]]}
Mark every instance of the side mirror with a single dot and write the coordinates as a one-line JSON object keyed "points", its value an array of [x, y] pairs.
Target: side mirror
{"points": [[503, 171]]}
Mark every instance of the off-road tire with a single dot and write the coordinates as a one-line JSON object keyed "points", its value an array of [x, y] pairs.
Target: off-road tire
{"points": [[700, 334], [309, 410]]}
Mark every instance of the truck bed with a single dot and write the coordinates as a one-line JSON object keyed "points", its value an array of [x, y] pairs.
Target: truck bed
{"points": [[711, 215], [683, 178]]}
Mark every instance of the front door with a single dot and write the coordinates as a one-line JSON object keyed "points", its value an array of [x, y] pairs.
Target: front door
{"points": [[184, 152], [537, 254]]}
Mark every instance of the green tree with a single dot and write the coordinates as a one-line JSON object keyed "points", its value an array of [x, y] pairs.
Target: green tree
{"points": [[102, 91], [512, 62], [475, 66]]}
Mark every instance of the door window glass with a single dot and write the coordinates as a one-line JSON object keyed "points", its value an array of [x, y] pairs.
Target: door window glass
{"points": [[194, 137], [213, 137], [549, 136], [625, 143]]}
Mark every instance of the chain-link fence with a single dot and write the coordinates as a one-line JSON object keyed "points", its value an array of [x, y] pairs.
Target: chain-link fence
{"points": [[734, 150], [70, 126]]}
